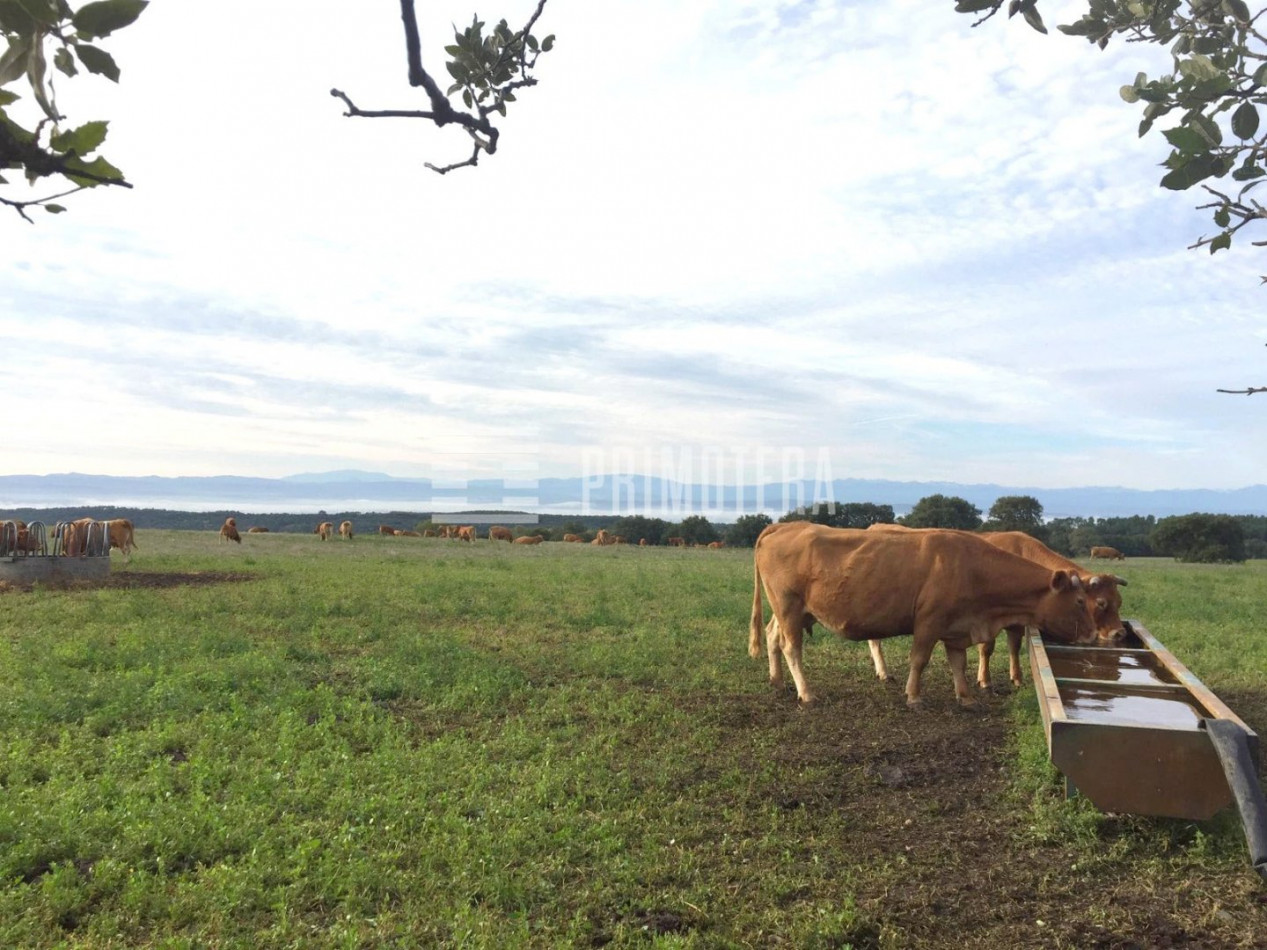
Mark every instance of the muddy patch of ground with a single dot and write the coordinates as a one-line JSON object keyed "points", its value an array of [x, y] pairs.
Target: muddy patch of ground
{"points": [[942, 845]]}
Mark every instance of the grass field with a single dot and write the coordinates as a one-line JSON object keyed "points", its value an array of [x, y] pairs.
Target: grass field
{"points": [[403, 742]]}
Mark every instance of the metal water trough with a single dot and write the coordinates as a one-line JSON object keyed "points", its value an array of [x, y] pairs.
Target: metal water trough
{"points": [[1135, 732], [31, 555]]}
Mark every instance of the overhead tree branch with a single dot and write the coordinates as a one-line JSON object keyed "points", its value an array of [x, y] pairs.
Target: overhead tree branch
{"points": [[488, 71]]}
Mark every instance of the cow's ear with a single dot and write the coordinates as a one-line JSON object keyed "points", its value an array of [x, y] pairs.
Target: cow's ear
{"points": [[1060, 581]]}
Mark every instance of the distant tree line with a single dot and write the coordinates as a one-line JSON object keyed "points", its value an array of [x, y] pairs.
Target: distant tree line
{"points": [[1196, 537]]}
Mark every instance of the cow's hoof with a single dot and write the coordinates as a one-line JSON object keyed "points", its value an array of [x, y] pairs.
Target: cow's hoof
{"points": [[967, 703], [915, 703], [888, 678], [808, 699]]}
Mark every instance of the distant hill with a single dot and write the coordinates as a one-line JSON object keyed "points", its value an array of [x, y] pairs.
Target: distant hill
{"points": [[358, 491]]}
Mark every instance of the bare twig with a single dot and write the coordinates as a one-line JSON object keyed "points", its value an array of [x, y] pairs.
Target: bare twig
{"points": [[1244, 392]]}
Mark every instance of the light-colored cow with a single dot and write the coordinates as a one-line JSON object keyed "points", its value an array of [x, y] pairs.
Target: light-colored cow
{"points": [[229, 531]]}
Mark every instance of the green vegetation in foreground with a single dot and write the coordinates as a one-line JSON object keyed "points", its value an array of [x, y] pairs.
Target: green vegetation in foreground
{"points": [[399, 742]]}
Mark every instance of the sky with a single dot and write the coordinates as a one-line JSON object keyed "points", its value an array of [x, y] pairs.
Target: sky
{"points": [[861, 235]]}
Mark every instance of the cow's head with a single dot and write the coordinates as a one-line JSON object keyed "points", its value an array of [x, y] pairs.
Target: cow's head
{"points": [[1062, 612], [1104, 603]]}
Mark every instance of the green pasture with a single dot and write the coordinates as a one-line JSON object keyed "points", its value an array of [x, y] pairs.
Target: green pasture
{"points": [[411, 742]]}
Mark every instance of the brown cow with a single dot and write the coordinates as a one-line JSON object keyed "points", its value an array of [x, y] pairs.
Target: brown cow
{"points": [[429, 533], [573, 539], [934, 585], [256, 529], [120, 530], [498, 533], [1104, 600], [409, 534], [467, 533], [1104, 551], [229, 531], [345, 530], [529, 539], [716, 545], [386, 529], [325, 530], [642, 542], [677, 542]]}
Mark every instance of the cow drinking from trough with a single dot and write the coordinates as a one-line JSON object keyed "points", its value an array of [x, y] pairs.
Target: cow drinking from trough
{"points": [[932, 586]]}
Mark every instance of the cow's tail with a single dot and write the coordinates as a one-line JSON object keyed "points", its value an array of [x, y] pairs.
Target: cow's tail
{"points": [[757, 621]]}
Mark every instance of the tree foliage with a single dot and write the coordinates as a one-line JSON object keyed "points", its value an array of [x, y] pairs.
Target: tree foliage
{"points": [[944, 511], [1208, 101], [1017, 513], [43, 36], [746, 529], [854, 514], [696, 529], [487, 70], [36, 140], [1200, 537]]}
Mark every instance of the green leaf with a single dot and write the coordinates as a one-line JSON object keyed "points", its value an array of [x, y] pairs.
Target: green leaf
{"points": [[1245, 121], [36, 68], [1260, 75], [7, 97], [14, 19], [974, 6], [54, 209], [547, 44], [63, 61], [1186, 140], [1198, 67], [82, 140], [1237, 9], [97, 61], [1207, 128], [1248, 173], [41, 11], [1188, 174], [1223, 217], [1221, 243], [466, 97], [1033, 18], [13, 61], [1129, 94], [105, 16], [98, 166]]}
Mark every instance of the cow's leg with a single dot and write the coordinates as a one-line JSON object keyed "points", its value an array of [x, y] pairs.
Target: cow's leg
{"points": [[791, 634], [877, 658], [921, 652], [1014, 635], [957, 656], [773, 652], [984, 652]]}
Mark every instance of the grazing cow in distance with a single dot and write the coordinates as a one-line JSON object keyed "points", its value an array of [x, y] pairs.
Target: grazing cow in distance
{"points": [[325, 530], [409, 534], [716, 545], [229, 531], [467, 533], [386, 529], [677, 542], [256, 529], [1104, 551], [498, 533], [120, 530], [642, 542], [429, 533], [602, 538], [573, 539], [529, 539], [934, 585], [345, 530]]}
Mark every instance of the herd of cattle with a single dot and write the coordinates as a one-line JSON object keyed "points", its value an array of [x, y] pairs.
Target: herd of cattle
{"points": [[956, 587], [934, 585]]}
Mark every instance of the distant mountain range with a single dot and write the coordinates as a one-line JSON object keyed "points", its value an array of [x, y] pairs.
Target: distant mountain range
{"points": [[615, 495]]}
